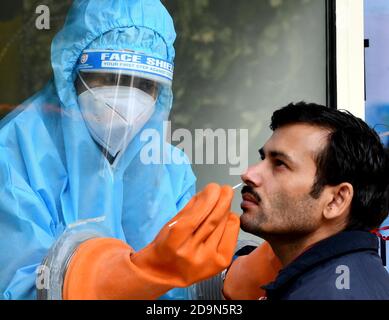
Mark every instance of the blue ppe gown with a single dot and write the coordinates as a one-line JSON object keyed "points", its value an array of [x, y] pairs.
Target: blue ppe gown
{"points": [[53, 174]]}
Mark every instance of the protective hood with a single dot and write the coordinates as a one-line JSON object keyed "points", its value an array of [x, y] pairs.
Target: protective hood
{"points": [[140, 25]]}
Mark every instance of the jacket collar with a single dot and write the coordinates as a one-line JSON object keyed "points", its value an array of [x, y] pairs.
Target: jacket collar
{"points": [[340, 244]]}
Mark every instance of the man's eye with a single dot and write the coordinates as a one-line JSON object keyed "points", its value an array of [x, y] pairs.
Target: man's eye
{"points": [[279, 163], [146, 85]]}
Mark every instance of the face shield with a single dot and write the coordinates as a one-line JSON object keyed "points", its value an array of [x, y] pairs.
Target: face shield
{"points": [[117, 95]]}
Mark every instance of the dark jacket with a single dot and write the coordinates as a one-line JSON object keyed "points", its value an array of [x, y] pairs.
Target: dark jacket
{"points": [[345, 266]]}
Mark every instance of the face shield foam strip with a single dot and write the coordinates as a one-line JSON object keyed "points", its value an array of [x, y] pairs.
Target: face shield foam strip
{"points": [[126, 62]]}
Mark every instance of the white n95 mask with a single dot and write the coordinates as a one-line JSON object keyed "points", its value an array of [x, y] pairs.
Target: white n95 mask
{"points": [[115, 114]]}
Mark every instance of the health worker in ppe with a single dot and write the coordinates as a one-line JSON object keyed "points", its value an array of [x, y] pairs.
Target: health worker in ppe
{"points": [[76, 193]]}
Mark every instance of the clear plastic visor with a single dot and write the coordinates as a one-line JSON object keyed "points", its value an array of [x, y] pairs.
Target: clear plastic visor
{"points": [[92, 80]]}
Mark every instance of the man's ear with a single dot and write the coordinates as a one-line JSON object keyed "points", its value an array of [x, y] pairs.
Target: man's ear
{"points": [[339, 200]]}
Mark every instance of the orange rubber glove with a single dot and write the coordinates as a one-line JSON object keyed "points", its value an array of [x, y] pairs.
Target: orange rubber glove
{"points": [[196, 244], [248, 273]]}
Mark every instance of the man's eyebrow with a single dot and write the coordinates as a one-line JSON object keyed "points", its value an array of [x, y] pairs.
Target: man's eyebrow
{"points": [[262, 153], [275, 154]]}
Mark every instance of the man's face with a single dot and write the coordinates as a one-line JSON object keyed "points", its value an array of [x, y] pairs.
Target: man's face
{"points": [[276, 198]]}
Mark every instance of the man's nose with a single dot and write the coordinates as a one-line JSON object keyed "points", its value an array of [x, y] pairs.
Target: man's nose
{"points": [[252, 176]]}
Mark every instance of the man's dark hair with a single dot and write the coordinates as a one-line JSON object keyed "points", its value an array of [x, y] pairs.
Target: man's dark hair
{"points": [[353, 154]]}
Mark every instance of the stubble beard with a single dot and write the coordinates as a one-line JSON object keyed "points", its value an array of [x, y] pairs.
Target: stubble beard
{"points": [[285, 217]]}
